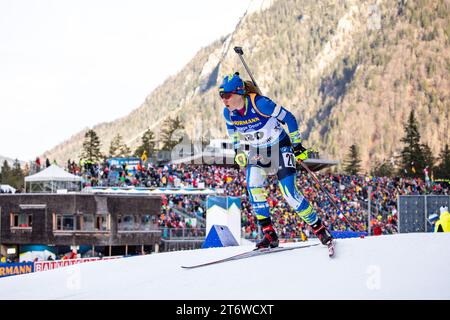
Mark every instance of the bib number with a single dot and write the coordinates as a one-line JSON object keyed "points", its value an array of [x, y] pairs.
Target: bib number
{"points": [[289, 160], [254, 136]]}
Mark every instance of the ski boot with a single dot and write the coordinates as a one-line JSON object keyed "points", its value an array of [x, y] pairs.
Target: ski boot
{"points": [[324, 235], [322, 232], [270, 239]]}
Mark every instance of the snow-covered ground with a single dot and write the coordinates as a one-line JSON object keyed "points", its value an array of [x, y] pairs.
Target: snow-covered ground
{"points": [[406, 266]]}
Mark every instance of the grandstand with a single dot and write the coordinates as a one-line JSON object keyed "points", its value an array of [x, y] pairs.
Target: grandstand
{"points": [[350, 192]]}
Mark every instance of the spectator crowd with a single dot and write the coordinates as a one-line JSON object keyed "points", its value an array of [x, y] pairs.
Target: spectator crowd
{"points": [[350, 193]]}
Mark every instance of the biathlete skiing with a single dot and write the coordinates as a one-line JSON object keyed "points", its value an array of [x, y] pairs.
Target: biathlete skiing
{"points": [[273, 151]]}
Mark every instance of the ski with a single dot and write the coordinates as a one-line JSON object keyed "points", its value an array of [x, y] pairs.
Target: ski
{"points": [[249, 254]]}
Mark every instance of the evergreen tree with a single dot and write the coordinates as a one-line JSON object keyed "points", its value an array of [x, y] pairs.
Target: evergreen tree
{"points": [[443, 169], [17, 177], [147, 144], [91, 147], [26, 170], [6, 172], [114, 145], [168, 138], [118, 148], [12, 176], [352, 164], [124, 151], [428, 158], [412, 160], [383, 169]]}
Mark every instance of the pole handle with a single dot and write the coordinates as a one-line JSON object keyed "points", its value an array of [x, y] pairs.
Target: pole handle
{"points": [[240, 53], [239, 50]]}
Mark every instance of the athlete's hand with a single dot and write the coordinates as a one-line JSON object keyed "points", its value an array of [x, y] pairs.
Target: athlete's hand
{"points": [[300, 152], [240, 158]]}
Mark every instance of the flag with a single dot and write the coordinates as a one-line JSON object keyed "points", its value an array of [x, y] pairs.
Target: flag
{"points": [[412, 167], [144, 156]]}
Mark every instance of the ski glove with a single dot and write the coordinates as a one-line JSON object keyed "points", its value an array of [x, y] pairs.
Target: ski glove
{"points": [[300, 152], [240, 158]]}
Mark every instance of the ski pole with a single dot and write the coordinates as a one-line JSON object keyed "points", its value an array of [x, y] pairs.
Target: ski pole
{"points": [[240, 53], [326, 193]]}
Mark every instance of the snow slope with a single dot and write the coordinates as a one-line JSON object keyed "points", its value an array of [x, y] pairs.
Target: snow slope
{"points": [[406, 266]]}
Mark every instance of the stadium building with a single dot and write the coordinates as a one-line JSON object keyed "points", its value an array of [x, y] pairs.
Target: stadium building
{"points": [[92, 224]]}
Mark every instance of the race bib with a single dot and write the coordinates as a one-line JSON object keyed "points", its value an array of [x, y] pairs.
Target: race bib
{"points": [[289, 159]]}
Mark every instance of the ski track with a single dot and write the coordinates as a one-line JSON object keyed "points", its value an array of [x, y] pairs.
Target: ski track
{"points": [[405, 266]]}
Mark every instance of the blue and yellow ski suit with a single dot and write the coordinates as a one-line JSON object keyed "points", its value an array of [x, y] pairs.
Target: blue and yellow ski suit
{"points": [[270, 153]]}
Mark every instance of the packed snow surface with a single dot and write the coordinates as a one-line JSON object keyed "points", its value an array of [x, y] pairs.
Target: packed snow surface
{"points": [[405, 266]]}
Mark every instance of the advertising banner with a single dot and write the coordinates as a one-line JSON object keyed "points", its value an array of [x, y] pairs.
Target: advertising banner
{"points": [[13, 269], [50, 265]]}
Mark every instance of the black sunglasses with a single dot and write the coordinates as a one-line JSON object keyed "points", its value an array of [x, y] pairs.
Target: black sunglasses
{"points": [[226, 95]]}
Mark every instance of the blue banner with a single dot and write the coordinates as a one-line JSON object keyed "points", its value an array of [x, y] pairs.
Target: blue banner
{"points": [[216, 201], [13, 269], [124, 161], [347, 234]]}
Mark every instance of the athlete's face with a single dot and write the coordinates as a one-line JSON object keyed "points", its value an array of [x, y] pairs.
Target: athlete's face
{"points": [[233, 101]]}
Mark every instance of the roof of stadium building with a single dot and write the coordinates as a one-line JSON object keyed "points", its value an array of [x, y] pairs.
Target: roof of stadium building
{"points": [[319, 164], [227, 159], [153, 191]]}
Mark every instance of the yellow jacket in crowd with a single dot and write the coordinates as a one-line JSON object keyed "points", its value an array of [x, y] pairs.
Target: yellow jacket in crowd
{"points": [[443, 224]]}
